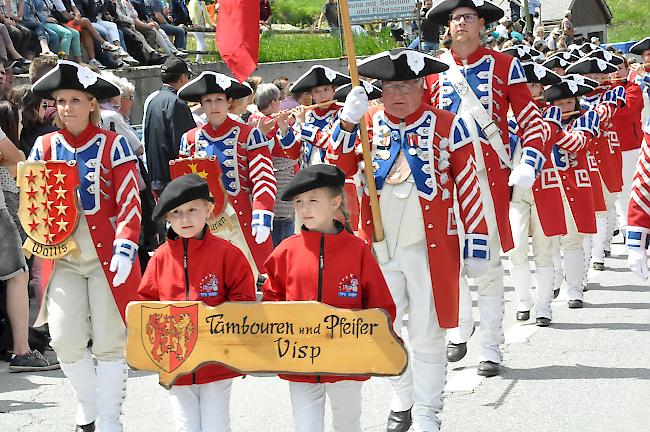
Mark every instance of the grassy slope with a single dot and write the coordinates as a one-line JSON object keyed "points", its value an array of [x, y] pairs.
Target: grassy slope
{"points": [[631, 20]]}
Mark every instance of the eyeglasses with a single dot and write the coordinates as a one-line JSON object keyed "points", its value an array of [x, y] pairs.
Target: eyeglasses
{"points": [[403, 86], [45, 105], [129, 97], [468, 17]]}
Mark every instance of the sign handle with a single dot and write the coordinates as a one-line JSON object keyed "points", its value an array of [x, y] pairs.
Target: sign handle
{"points": [[363, 131]]}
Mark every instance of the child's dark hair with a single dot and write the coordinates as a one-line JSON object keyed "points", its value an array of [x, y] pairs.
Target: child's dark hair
{"points": [[343, 208]]}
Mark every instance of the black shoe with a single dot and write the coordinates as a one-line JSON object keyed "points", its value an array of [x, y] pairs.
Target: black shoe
{"points": [[456, 352], [615, 233], [399, 421], [488, 369], [523, 315], [32, 362], [556, 293], [575, 304], [90, 427], [608, 253], [599, 266], [156, 59], [585, 288], [543, 322]]}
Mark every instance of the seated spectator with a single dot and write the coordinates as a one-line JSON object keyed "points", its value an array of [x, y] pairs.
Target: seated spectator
{"points": [[47, 39], [69, 38], [158, 38], [67, 14], [128, 94], [157, 13], [135, 32], [40, 66], [281, 83], [516, 32], [21, 36], [502, 28], [201, 18], [94, 12]]}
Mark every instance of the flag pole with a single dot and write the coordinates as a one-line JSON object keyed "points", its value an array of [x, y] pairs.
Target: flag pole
{"points": [[363, 131]]}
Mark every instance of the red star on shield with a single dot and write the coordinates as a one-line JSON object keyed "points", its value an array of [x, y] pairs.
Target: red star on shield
{"points": [[31, 194], [31, 178], [32, 210], [34, 225]]}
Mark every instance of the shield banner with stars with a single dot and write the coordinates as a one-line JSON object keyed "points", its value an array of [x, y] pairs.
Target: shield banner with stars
{"points": [[48, 209], [208, 168]]}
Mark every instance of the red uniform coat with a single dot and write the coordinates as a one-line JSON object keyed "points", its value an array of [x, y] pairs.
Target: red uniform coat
{"points": [[247, 173], [499, 81], [109, 197], [216, 271], [438, 166], [627, 122], [639, 208], [350, 275]]}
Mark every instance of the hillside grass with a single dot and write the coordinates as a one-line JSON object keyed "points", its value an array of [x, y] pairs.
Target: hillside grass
{"points": [[631, 20], [284, 47], [301, 13]]}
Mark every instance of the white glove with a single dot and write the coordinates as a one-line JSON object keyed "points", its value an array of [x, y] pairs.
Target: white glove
{"points": [[356, 105], [121, 266], [261, 233], [475, 267], [523, 175], [638, 261]]}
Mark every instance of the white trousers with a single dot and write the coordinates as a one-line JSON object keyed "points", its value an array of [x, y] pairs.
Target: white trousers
{"points": [[421, 385], [109, 28], [630, 159], [601, 241], [80, 306], [308, 405], [573, 255], [202, 407], [200, 43]]}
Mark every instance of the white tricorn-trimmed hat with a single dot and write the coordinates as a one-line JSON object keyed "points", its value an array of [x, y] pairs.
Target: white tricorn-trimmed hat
{"points": [[68, 75], [317, 76], [209, 82], [400, 64]]}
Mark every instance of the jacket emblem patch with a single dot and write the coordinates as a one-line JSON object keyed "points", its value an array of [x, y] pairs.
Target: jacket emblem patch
{"points": [[209, 286], [349, 286]]}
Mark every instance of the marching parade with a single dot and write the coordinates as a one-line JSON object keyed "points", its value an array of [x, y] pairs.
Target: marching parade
{"points": [[420, 184]]}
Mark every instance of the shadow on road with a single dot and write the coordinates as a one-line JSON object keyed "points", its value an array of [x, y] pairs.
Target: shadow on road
{"points": [[573, 372], [601, 325]]}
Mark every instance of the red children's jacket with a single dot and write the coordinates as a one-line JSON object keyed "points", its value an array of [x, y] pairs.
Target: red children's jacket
{"points": [[215, 272], [334, 269]]}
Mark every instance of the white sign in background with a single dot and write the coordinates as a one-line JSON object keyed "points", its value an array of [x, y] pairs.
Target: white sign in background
{"points": [[365, 11]]}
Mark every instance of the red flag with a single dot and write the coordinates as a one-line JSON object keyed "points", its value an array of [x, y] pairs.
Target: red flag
{"points": [[238, 35]]}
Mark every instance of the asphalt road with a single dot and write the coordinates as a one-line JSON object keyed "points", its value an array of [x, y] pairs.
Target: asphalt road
{"points": [[587, 372]]}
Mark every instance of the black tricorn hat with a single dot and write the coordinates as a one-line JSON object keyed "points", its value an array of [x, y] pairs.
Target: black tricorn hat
{"points": [[522, 52], [640, 46], [212, 82], [581, 79], [314, 177], [440, 14], [562, 60], [400, 64], [565, 90], [536, 73], [607, 56], [372, 91], [68, 75], [317, 76], [591, 65], [588, 47], [179, 191]]}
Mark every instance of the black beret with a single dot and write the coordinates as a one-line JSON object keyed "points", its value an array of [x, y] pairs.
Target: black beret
{"points": [[314, 177], [400, 64], [180, 191], [440, 13], [68, 75], [639, 47]]}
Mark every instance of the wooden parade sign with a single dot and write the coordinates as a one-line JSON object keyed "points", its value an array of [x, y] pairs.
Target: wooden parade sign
{"points": [[48, 207], [176, 338], [208, 168]]}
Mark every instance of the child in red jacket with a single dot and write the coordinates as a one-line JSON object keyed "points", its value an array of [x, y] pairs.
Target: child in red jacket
{"points": [[195, 265], [326, 263]]}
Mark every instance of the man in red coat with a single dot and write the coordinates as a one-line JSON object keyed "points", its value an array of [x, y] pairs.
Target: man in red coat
{"points": [[482, 86], [421, 157]]}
